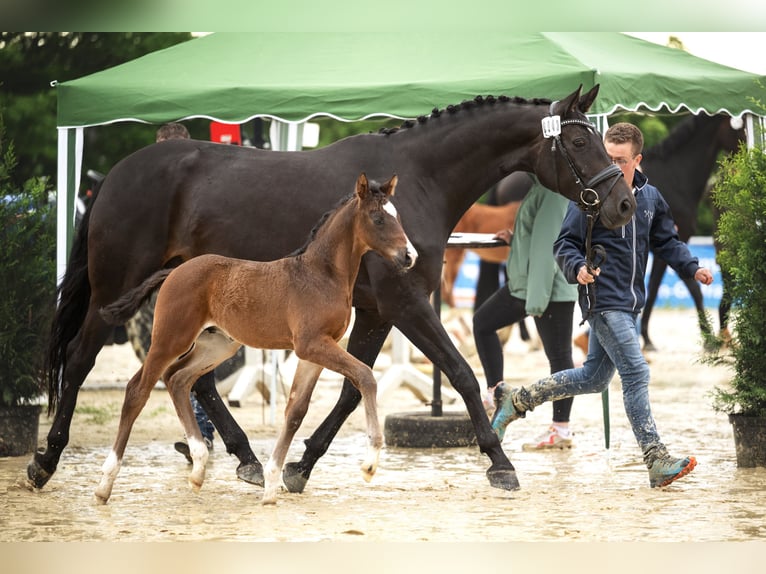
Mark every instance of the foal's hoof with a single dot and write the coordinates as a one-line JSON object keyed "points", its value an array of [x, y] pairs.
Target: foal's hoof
{"points": [[293, 478], [251, 472], [505, 479], [37, 475]]}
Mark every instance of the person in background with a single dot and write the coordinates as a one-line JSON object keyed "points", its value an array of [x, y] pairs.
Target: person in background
{"points": [[171, 131], [611, 299], [537, 287]]}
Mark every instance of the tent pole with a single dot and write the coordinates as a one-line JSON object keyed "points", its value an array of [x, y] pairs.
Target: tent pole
{"points": [[70, 143]]}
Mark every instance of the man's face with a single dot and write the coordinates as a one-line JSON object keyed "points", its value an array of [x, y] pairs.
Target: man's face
{"points": [[622, 156]]}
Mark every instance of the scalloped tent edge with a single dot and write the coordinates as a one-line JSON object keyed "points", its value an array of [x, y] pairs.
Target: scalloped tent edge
{"points": [[293, 77]]}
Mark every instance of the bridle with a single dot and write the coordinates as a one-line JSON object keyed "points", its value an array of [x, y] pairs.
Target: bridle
{"points": [[589, 201]]}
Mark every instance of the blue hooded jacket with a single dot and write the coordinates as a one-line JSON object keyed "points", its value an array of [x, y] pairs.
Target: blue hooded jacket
{"points": [[620, 286]]}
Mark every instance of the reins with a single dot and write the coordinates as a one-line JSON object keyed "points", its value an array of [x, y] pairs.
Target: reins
{"points": [[589, 201]]}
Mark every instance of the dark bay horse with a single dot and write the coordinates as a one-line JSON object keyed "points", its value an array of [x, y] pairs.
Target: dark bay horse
{"points": [[171, 201], [210, 305], [680, 167]]}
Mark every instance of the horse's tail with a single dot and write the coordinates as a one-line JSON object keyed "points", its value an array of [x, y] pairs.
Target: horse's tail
{"points": [[125, 307], [73, 296]]}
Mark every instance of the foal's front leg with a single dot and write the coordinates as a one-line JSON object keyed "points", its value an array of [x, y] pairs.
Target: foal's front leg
{"points": [[305, 379]]}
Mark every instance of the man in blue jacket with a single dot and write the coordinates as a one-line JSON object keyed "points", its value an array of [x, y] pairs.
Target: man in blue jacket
{"points": [[611, 299]]}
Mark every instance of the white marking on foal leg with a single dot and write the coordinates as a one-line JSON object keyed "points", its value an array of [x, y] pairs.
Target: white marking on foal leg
{"points": [[199, 454], [110, 470], [370, 464], [271, 482]]}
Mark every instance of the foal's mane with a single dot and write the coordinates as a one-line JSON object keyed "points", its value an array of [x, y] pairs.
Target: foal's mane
{"points": [[478, 101], [374, 187]]}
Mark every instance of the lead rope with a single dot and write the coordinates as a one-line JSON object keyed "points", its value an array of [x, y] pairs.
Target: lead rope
{"points": [[595, 255]]}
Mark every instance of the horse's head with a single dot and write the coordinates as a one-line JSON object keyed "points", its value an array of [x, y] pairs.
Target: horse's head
{"points": [[574, 163], [379, 224]]}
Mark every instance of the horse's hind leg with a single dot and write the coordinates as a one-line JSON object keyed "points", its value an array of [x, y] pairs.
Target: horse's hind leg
{"points": [[367, 336], [305, 379], [249, 469], [81, 356]]}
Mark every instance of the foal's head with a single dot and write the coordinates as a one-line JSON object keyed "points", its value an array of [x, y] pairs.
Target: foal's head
{"points": [[378, 223]]}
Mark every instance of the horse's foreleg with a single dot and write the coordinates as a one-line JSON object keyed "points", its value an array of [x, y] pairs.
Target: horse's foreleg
{"points": [[369, 389], [136, 395], [81, 356], [305, 379], [655, 278], [365, 341], [422, 326], [250, 468]]}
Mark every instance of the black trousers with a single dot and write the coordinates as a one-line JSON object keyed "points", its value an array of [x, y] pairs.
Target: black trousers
{"points": [[554, 327]]}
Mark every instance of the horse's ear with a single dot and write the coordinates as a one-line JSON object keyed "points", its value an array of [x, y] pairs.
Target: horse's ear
{"points": [[586, 100], [568, 104], [390, 186], [362, 186]]}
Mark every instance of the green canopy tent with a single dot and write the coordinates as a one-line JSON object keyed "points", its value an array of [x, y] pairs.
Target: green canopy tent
{"points": [[292, 77]]}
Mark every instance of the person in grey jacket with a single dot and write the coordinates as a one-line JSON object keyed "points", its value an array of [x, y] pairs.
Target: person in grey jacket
{"points": [[611, 299], [536, 286]]}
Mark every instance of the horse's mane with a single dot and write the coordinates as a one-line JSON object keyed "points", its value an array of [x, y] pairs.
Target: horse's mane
{"points": [[464, 105], [677, 138], [374, 188]]}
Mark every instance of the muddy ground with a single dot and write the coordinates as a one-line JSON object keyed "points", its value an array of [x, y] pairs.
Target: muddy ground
{"points": [[587, 493]]}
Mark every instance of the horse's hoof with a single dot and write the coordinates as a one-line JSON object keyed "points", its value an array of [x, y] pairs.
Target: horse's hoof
{"points": [[505, 479], [37, 475], [293, 478], [649, 346], [251, 472]]}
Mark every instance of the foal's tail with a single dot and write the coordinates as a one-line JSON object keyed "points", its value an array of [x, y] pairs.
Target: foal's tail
{"points": [[125, 307], [74, 297]]}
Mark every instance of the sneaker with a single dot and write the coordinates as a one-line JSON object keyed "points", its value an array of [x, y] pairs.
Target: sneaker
{"points": [[665, 469], [550, 439], [183, 448], [505, 412]]}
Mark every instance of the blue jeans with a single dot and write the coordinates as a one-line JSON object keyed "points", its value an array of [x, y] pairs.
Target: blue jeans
{"points": [[614, 345]]}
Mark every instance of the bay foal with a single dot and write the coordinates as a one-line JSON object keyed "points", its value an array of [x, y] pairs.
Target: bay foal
{"points": [[210, 305]]}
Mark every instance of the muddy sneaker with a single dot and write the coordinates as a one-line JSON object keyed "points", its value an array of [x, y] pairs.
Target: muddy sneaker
{"points": [[553, 438], [664, 469], [505, 412], [183, 448]]}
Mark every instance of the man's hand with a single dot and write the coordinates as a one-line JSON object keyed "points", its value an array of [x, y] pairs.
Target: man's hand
{"points": [[584, 276], [704, 276]]}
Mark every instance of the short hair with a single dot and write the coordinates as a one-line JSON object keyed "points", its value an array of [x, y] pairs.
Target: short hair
{"points": [[172, 131], [624, 132]]}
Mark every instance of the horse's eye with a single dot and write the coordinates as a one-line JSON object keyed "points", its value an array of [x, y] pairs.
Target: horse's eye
{"points": [[377, 218], [579, 142]]}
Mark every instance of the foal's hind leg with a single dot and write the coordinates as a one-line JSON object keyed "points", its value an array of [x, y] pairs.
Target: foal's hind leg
{"points": [[136, 394], [305, 379]]}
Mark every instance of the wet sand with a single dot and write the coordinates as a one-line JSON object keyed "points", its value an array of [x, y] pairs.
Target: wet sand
{"points": [[587, 493]]}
